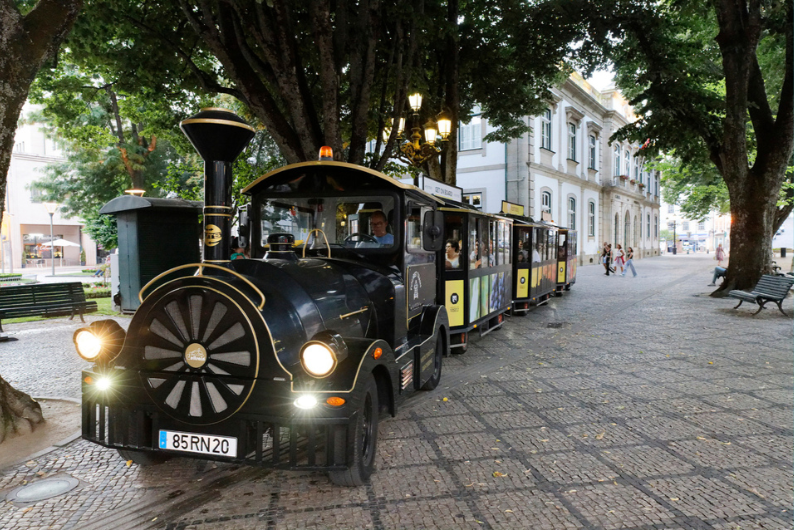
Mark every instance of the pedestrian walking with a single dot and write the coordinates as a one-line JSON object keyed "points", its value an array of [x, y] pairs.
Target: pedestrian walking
{"points": [[719, 255], [620, 258], [605, 257], [630, 262]]}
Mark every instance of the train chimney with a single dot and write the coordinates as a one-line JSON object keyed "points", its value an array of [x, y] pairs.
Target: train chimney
{"points": [[219, 136]]}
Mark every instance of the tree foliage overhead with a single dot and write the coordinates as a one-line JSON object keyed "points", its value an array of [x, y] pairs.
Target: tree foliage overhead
{"points": [[336, 73]]}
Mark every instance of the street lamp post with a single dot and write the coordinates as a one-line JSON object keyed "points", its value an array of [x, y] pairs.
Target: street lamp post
{"points": [[51, 207], [413, 151]]}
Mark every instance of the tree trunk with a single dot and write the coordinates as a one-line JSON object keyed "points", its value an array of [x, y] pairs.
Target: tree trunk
{"points": [[19, 412], [26, 43], [753, 210]]}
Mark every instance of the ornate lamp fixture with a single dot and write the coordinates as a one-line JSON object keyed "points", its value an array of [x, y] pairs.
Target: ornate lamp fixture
{"points": [[413, 151]]}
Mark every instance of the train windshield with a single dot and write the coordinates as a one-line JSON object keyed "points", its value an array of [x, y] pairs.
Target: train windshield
{"points": [[352, 222]]}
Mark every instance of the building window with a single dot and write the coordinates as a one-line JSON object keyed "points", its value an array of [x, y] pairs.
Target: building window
{"points": [[685, 226], [656, 225], [591, 220], [617, 161], [637, 169], [545, 129], [35, 193], [470, 134], [656, 183], [571, 213], [702, 225], [572, 141], [475, 199], [592, 151], [19, 147], [648, 226], [670, 208], [545, 204], [627, 158]]}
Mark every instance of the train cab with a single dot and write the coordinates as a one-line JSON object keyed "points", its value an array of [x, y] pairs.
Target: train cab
{"points": [[475, 271], [534, 259], [566, 258]]}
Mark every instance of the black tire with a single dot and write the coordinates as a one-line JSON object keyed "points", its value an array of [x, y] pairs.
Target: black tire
{"points": [[441, 351], [568, 287], [365, 440], [144, 458]]}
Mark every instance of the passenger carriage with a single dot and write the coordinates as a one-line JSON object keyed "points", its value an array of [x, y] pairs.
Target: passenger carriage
{"points": [[474, 271], [534, 259], [567, 252]]}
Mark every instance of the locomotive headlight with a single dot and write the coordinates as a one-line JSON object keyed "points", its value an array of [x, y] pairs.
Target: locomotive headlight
{"points": [[100, 342], [318, 359], [88, 345]]}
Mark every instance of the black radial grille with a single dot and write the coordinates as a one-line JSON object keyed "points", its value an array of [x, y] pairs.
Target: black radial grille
{"points": [[199, 356]]}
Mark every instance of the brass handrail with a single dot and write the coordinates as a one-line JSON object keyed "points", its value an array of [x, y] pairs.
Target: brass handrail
{"points": [[201, 266], [327, 246]]}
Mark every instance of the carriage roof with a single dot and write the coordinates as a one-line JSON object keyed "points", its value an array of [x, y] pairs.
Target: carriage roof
{"points": [[339, 176]]}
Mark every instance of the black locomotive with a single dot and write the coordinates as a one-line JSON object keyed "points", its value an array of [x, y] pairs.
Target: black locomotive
{"points": [[286, 359]]}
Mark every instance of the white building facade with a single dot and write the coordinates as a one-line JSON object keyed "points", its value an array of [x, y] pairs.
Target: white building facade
{"points": [[566, 168], [26, 223], [694, 234]]}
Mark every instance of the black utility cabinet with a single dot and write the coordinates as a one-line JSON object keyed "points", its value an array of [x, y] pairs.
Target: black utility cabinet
{"points": [[154, 235]]}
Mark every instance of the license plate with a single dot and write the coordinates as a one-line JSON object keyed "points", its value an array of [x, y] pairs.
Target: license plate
{"points": [[204, 444]]}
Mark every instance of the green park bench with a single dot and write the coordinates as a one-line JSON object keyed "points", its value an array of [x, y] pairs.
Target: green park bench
{"points": [[44, 299], [770, 288]]}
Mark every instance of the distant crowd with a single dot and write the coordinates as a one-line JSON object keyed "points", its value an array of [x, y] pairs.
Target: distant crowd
{"points": [[617, 259]]}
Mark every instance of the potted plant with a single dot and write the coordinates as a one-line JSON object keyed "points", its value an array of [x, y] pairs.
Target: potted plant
{"points": [[642, 185], [624, 177], [632, 181]]}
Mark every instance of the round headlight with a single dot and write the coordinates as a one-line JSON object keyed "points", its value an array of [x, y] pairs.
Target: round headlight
{"points": [[88, 345], [318, 359]]}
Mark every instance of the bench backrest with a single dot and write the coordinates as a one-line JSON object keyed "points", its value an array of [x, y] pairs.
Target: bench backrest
{"points": [[774, 285], [41, 294]]}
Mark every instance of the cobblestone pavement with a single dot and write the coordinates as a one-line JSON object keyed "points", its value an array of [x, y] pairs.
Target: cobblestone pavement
{"points": [[628, 403]]}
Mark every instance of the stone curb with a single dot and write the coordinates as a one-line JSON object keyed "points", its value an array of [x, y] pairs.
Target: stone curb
{"points": [[58, 445]]}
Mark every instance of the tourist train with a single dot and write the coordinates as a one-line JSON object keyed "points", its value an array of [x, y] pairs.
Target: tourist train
{"points": [[357, 287]]}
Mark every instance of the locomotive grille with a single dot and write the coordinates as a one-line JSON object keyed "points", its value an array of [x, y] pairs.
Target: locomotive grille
{"points": [[200, 356]]}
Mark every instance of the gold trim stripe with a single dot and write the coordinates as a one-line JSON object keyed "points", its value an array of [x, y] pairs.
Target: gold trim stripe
{"points": [[217, 214], [201, 267], [346, 315], [217, 122], [220, 207], [218, 108]]}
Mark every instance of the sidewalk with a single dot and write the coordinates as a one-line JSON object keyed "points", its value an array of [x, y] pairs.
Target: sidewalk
{"points": [[636, 403]]}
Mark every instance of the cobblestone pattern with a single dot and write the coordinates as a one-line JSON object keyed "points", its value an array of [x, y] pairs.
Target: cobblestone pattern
{"points": [[650, 408]]}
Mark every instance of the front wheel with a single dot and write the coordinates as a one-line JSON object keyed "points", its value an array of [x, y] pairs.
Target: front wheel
{"points": [[365, 440], [432, 383], [143, 458]]}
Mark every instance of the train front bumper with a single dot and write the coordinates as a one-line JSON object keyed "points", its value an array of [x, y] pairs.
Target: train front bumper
{"points": [[270, 431]]}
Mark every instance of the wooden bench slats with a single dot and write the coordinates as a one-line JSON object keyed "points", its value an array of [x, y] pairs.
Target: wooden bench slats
{"points": [[770, 288], [48, 299]]}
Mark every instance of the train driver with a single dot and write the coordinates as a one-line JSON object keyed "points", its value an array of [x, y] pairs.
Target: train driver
{"points": [[378, 225]]}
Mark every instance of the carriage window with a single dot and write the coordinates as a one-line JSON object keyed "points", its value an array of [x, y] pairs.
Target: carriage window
{"points": [[413, 227], [453, 228], [551, 247], [355, 222], [501, 241], [474, 245], [493, 243], [508, 239], [561, 240], [524, 242], [538, 245], [484, 236]]}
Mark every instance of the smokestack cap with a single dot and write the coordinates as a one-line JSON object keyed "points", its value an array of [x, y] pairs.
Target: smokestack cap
{"points": [[217, 134]]}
